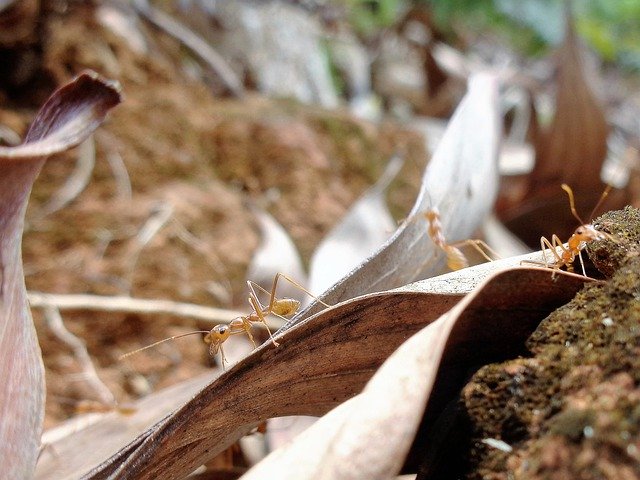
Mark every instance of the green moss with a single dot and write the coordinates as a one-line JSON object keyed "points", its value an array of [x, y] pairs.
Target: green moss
{"points": [[574, 407], [624, 225]]}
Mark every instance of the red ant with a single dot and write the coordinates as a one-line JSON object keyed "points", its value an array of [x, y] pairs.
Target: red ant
{"points": [[456, 260], [280, 307], [582, 235]]}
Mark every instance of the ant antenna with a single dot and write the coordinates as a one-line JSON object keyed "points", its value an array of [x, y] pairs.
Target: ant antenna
{"points": [[572, 203], [128, 354], [602, 197]]}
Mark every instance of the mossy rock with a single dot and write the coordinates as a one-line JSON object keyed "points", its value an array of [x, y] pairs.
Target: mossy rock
{"points": [[571, 410]]}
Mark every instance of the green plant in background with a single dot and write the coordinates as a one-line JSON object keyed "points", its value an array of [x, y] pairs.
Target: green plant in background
{"points": [[613, 29], [369, 16], [610, 27]]}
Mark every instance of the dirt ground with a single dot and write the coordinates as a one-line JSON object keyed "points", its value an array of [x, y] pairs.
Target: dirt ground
{"points": [[200, 157]]}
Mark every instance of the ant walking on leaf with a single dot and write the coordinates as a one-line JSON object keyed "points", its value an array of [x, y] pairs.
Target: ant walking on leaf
{"points": [[456, 260], [584, 234], [279, 307]]}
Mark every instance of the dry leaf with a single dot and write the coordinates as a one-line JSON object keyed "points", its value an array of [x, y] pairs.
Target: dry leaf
{"points": [[369, 436], [575, 146], [461, 180], [66, 119], [370, 329], [365, 227], [325, 361]]}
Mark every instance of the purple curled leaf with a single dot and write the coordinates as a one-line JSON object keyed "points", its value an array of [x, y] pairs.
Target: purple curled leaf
{"points": [[70, 115]]}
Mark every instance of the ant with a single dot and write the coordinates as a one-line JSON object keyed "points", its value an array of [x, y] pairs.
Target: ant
{"points": [[582, 235], [456, 260], [280, 307]]}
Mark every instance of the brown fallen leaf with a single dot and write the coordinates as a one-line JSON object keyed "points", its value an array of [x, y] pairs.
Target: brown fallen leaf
{"points": [[115, 434], [574, 147], [70, 115], [325, 361], [328, 358], [369, 436], [571, 150], [461, 180]]}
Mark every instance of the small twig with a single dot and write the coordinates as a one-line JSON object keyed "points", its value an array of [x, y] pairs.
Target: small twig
{"points": [[152, 226], [190, 240], [131, 305], [56, 325], [120, 175], [193, 42]]}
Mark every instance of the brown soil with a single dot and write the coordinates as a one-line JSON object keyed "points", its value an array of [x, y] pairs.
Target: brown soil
{"points": [[571, 410], [204, 157]]}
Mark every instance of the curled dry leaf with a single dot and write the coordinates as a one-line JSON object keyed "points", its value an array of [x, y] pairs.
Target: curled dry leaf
{"points": [[70, 115], [362, 231], [319, 364], [575, 146], [461, 180], [72, 459], [370, 435], [327, 361]]}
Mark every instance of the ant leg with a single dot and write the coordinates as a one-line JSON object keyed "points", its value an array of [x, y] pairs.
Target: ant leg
{"points": [[296, 284], [584, 272], [272, 294], [568, 254], [552, 246], [223, 359], [480, 246], [261, 318]]}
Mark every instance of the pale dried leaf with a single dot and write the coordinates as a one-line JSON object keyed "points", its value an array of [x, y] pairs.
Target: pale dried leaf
{"points": [[68, 456], [365, 227], [461, 180], [369, 436], [66, 119]]}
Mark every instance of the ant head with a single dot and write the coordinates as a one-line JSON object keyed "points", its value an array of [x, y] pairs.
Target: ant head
{"points": [[588, 232], [431, 214], [217, 336]]}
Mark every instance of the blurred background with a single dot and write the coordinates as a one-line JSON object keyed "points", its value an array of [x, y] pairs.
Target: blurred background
{"points": [[250, 128]]}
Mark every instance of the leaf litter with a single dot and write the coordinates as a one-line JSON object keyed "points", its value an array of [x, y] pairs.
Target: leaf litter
{"points": [[201, 428], [204, 156]]}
